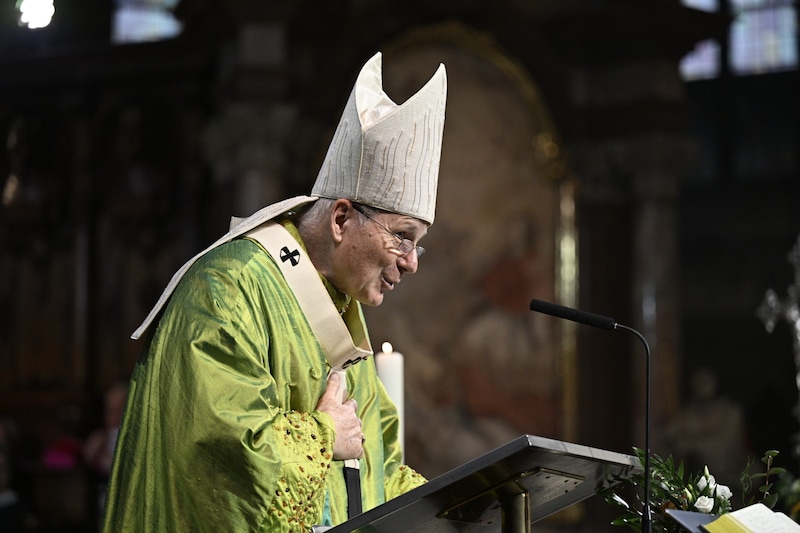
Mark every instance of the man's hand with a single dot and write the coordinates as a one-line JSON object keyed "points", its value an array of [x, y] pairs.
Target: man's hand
{"points": [[348, 443]]}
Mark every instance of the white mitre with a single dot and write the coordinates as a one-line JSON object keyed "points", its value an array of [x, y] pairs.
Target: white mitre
{"points": [[382, 155], [386, 155]]}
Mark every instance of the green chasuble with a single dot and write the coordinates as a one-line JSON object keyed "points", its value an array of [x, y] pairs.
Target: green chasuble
{"points": [[220, 432]]}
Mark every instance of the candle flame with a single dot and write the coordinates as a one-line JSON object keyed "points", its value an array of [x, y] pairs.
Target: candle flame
{"points": [[387, 347]]}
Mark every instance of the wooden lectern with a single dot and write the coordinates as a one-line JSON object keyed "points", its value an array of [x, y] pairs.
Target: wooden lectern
{"points": [[506, 490]]}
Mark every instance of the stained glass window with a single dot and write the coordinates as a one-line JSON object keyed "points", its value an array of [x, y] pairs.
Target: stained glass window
{"points": [[144, 20], [763, 38], [703, 62]]}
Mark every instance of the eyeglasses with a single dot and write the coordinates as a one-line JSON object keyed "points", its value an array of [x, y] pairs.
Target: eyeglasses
{"points": [[404, 246]]}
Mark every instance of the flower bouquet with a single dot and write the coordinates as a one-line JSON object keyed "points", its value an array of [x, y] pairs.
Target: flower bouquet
{"points": [[672, 488]]}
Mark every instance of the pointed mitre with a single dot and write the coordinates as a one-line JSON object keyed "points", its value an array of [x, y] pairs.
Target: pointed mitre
{"points": [[386, 155]]}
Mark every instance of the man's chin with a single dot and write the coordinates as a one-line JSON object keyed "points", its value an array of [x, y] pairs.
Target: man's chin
{"points": [[374, 301]]}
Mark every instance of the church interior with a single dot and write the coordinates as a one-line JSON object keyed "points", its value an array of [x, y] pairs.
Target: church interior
{"points": [[637, 159]]}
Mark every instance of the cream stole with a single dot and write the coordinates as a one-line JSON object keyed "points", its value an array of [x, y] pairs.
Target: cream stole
{"points": [[342, 338]]}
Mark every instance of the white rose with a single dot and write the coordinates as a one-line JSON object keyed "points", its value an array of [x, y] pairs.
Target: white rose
{"points": [[723, 492], [704, 504], [706, 481]]}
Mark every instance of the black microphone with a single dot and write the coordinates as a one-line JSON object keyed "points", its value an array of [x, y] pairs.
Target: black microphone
{"points": [[582, 317], [604, 322]]}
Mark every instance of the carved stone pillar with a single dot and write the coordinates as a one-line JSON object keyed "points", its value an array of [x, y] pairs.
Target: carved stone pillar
{"points": [[627, 216], [659, 163]]}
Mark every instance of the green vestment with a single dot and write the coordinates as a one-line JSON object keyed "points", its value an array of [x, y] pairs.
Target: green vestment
{"points": [[220, 432]]}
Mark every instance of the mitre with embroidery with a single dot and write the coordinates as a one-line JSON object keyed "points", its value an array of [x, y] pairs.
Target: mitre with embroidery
{"points": [[387, 155]]}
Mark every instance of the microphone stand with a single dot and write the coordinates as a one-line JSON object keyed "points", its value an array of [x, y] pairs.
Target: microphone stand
{"points": [[604, 322], [647, 517]]}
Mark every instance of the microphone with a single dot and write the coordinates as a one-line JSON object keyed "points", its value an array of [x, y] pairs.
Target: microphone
{"points": [[582, 317], [604, 322]]}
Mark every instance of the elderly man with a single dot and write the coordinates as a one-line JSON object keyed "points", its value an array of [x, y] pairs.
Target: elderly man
{"points": [[255, 405]]}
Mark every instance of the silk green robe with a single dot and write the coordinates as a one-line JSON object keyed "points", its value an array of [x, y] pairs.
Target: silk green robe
{"points": [[220, 432]]}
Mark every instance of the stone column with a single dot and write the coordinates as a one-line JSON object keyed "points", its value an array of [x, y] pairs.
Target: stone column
{"points": [[658, 163], [629, 169]]}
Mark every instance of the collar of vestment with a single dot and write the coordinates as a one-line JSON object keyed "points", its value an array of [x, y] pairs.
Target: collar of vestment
{"points": [[343, 338], [342, 335], [238, 227], [339, 299]]}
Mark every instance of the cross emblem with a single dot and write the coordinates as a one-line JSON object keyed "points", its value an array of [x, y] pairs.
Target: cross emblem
{"points": [[293, 256], [353, 361]]}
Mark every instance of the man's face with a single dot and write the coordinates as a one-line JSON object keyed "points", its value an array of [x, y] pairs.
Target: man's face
{"points": [[367, 262]]}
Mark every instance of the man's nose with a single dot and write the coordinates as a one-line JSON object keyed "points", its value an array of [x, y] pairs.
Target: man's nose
{"points": [[409, 262]]}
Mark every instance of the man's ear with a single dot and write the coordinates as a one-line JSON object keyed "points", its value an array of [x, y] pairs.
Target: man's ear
{"points": [[342, 211]]}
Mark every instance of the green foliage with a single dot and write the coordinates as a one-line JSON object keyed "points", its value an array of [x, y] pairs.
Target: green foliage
{"points": [[788, 489], [672, 488], [770, 499]]}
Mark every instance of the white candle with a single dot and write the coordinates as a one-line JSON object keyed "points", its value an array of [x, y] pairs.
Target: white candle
{"points": [[390, 371]]}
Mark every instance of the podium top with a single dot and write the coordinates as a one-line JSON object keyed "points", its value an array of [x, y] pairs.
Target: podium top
{"points": [[471, 497]]}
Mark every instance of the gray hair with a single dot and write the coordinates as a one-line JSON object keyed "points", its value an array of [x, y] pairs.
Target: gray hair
{"points": [[317, 212]]}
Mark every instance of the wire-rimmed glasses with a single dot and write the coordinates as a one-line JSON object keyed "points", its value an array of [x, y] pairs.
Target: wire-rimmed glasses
{"points": [[404, 246]]}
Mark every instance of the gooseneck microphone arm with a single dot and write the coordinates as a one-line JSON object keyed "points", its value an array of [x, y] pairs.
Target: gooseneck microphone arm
{"points": [[647, 519], [604, 322]]}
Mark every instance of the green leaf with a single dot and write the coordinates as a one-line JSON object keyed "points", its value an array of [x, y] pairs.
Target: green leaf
{"points": [[620, 501], [771, 500]]}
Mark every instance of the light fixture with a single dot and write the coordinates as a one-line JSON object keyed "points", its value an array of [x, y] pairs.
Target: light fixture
{"points": [[35, 14]]}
